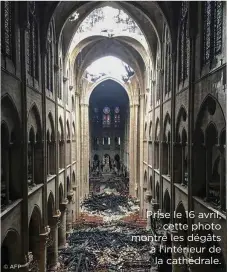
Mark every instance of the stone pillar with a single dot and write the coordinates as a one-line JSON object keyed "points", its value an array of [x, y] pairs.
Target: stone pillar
{"points": [[54, 238], [69, 212], [84, 149], [62, 226], [135, 153], [43, 249], [131, 151], [78, 153]]}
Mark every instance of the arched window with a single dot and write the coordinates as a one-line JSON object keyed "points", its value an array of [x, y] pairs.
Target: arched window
{"points": [[61, 143], [32, 52], [166, 145], [116, 117], [68, 144], [31, 148], [183, 43], [212, 29], [7, 34], [59, 94], [49, 66], [50, 145], [156, 145], [106, 117], [150, 131], [167, 62]]}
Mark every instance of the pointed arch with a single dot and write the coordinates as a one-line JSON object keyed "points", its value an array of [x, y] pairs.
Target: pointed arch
{"points": [[61, 129], [73, 177], [157, 130], [10, 242], [10, 117], [68, 184], [61, 193], [51, 205], [51, 126], [34, 120], [150, 130], [167, 126], [210, 111], [68, 130], [181, 122]]}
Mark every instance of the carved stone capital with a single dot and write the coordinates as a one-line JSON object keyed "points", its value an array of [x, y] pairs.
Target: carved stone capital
{"points": [[63, 206], [44, 235], [70, 195]]}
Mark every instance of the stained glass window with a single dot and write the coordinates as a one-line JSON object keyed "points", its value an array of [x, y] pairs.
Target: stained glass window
{"points": [[49, 68], [7, 36], [212, 29], [116, 120], [207, 30], [167, 64], [106, 120], [59, 94], [218, 14], [32, 49], [184, 45]]}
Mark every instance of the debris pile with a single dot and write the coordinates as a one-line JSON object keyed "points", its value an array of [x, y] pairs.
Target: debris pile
{"points": [[104, 236], [111, 206], [109, 247]]}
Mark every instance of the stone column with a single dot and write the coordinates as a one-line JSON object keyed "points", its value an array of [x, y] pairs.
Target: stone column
{"points": [[131, 152], [69, 212], [78, 153], [43, 249], [54, 237], [62, 226], [135, 153], [84, 149]]}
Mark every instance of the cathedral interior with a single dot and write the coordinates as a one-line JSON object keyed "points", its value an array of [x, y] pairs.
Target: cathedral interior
{"points": [[93, 91]]}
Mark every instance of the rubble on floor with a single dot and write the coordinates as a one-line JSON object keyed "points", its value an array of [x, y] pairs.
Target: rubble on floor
{"points": [[111, 206], [102, 239], [108, 246]]}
